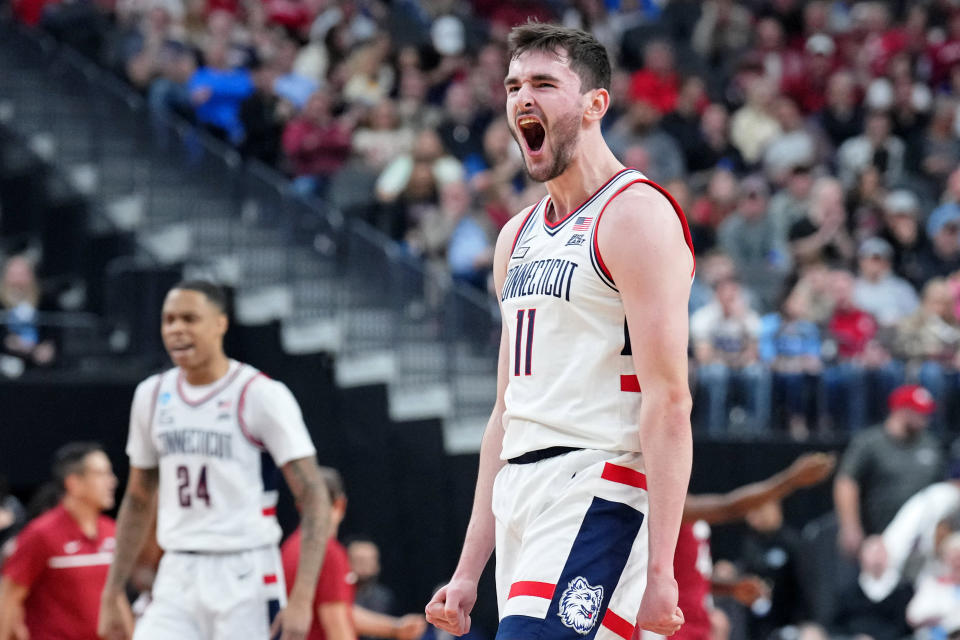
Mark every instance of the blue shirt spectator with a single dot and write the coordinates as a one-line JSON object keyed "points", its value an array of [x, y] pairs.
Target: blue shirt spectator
{"points": [[217, 92]]}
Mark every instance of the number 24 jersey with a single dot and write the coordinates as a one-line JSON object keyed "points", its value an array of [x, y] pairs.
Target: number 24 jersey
{"points": [[217, 448]]}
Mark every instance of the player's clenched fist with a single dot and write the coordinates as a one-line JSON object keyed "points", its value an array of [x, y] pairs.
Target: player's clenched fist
{"points": [[659, 612], [450, 607]]}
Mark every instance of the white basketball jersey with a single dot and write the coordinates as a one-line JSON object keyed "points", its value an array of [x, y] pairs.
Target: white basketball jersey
{"points": [[218, 480], [572, 380]]}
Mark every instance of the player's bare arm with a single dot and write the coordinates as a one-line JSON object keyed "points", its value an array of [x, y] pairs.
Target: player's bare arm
{"points": [[641, 241], [12, 596], [718, 508], [308, 489], [450, 607], [134, 520]]}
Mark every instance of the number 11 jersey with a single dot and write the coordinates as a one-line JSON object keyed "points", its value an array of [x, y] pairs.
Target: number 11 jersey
{"points": [[218, 448], [572, 381]]}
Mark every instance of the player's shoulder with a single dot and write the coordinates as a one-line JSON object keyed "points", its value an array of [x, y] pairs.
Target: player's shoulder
{"points": [[642, 201], [152, 382]]}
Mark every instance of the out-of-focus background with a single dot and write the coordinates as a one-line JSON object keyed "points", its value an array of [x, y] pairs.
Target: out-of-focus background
{"points": [[344, 167]]}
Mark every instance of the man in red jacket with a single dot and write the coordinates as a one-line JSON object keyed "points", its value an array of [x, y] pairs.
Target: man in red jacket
{"points": [[52, 580]]}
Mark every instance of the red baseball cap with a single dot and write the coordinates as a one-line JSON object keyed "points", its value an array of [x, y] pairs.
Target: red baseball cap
{"points": [[913, 397]]}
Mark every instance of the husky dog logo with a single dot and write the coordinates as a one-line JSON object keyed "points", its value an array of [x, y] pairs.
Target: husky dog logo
{"points": [[580, 605]]}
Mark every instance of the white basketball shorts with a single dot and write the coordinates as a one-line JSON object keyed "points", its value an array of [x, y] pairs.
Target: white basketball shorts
{"points": [[215, 596], [571, 546]]}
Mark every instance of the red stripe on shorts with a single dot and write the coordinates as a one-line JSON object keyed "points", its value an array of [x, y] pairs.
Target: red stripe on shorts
{"points": [[270, 578], [269, 511], [624, 475], [531, 588], [629, 383], [618, 625]]}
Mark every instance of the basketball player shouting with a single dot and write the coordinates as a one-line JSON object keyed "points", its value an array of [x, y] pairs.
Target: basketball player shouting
{"points": [[204, 437], [581, 485]]}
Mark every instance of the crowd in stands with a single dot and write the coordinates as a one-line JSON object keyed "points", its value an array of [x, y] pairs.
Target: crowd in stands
{"points": [[813, 144], [744, 112]]}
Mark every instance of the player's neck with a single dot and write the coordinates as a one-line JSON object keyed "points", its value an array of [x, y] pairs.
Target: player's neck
{"points": [[591, 168], [85, 514], [208, 372]]}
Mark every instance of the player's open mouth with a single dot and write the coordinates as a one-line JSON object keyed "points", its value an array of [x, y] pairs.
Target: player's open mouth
{"points": [[180, 350], [532, 131]]}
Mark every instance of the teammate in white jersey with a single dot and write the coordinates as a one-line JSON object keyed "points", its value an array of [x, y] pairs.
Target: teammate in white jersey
{"points": [[204, 439], [581, 486]]}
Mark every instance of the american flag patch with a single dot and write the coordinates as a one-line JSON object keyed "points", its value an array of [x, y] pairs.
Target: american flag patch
{"points": [[582, 224]]}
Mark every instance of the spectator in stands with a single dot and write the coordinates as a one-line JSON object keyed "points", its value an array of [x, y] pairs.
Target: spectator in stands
{"points": [[724, 335], [657, 83], [367, 77], [217, 90], [145, 48], [795, 146], [941, 256], [938, 596], [317, 144], [929, 343], [410, 185], [724, 29], [877, 147], [945, 55], [24, 339], [939, 146], [902, 230], [753, 127], [464, 122], [885, 296], [640, 128], [789, 204], [807, 85], [683, 123], [842, 116], [381, 137], [884, 466], [52, 580], [498, 177], [263, 116], [749, 237], [288, 84], [412, 106], [790, 345], [470, 251], [859, 359], [822, 236], [12, 515], [873, 603], [719, 201], [714, 149]]}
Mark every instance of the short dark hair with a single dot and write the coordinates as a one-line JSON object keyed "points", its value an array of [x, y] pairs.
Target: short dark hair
{"points": [[214, 293], [586, 56], [334, 482], [69, 460]]}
